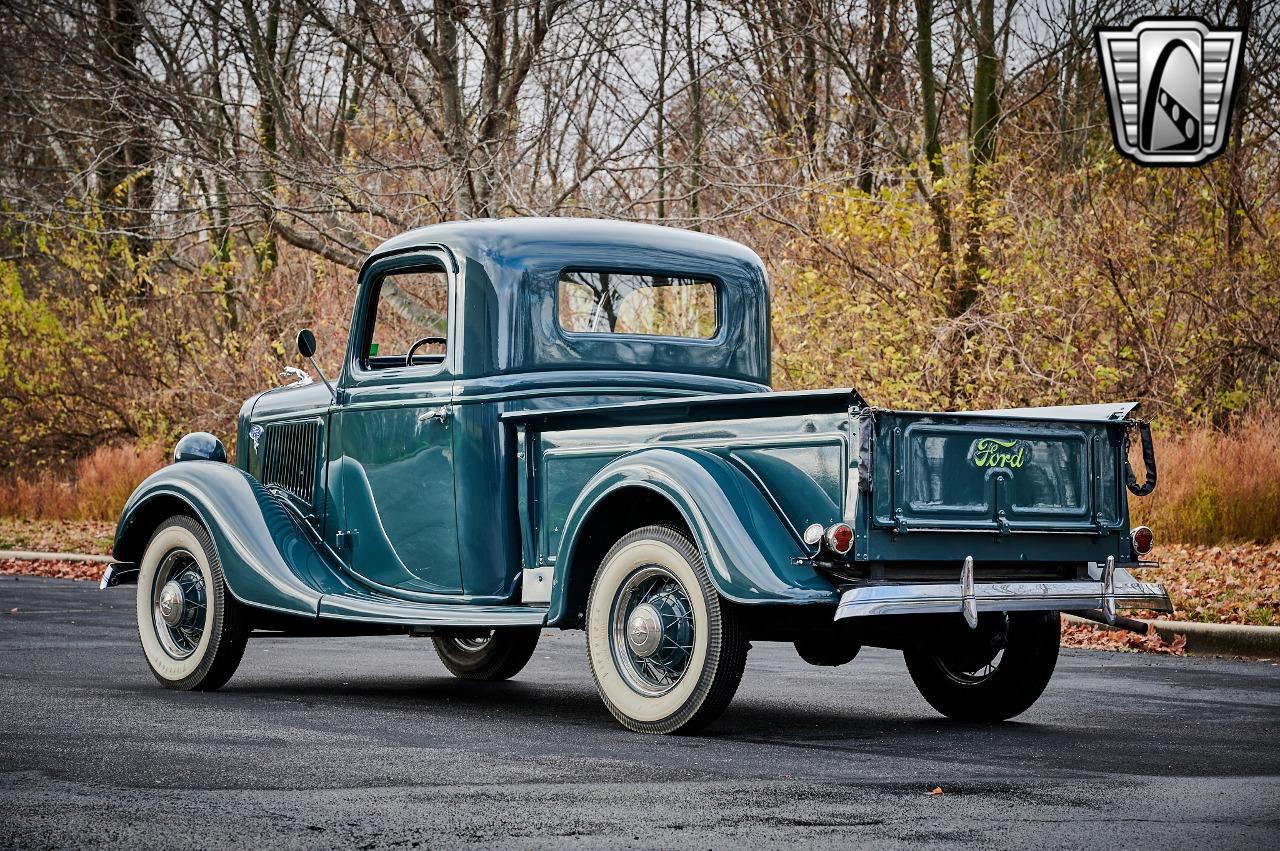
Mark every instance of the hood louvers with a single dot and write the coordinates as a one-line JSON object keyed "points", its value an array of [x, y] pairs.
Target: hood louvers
{"points": [[289, 457]]}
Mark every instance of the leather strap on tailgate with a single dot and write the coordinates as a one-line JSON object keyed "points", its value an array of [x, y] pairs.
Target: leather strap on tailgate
{"points": [[1148, 461]]}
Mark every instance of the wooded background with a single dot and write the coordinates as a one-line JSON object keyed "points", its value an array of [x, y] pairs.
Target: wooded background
{"points": [[933, 186]]}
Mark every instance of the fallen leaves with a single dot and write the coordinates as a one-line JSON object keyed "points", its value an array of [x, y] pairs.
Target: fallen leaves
{"points": [[93, 537], [1229, 583], [1098, 637], [53, 569]]}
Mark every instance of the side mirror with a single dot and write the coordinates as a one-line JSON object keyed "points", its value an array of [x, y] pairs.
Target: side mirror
{"points": [[306, 343], [307, 348]]}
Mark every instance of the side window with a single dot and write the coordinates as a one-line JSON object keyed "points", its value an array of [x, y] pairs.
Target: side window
{"points": [[592, 302], [409, 311]]}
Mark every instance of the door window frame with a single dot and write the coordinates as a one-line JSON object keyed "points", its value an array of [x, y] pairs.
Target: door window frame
{"points": [[355, 371]]}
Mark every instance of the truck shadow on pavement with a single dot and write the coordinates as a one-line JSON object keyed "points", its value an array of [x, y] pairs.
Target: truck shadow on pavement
{"points": [[537, 714]]}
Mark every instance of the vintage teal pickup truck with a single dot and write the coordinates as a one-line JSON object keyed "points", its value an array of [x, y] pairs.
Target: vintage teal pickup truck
{"points": [[568, 424]]}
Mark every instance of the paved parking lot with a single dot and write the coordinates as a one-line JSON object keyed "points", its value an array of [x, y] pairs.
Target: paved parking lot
{"points": [[367, 742]]}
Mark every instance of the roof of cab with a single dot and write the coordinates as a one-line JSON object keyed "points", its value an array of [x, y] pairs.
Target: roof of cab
{"points": [[512, 240]]}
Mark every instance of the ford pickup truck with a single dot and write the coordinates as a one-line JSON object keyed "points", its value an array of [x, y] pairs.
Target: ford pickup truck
{"points": [[568, 424]]}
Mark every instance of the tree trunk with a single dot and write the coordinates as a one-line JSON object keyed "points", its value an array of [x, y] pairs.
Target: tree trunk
{"points": [[125, 181], [932, 144], [877, 62], [695, 114], [664, 29], [982, 148], [1235, 179]]}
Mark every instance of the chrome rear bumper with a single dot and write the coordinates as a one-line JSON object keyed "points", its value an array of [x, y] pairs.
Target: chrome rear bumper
{"points": [[1117, 588]]}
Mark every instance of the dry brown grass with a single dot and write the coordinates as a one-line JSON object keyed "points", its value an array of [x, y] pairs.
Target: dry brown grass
{"points": [[1216, 486], [94, 489]]}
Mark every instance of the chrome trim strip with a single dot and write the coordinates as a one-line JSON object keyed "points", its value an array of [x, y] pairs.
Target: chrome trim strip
{"points": [[941, 598], [832, 439], [572, 390]]}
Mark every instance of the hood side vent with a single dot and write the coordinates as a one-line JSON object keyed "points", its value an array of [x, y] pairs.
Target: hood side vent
{"points": [[289, 457]]}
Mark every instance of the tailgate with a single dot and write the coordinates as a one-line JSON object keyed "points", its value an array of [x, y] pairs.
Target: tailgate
{"points": [[1020, 510], [988, 473]]}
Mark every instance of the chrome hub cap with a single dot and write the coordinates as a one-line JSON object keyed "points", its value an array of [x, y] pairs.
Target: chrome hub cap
{"points": [[179, 604], [170, 604], [644, 630], [652, 633]]}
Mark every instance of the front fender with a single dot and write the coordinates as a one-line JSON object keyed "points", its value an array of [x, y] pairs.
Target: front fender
{"points": [[268, 559], [747, 546]]}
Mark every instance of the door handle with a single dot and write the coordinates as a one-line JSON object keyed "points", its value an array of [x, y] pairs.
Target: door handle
{"points": [[441, 414]]}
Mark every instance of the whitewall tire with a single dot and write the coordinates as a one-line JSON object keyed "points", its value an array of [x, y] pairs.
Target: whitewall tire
{"points": [[193, 631], [666, 652]]}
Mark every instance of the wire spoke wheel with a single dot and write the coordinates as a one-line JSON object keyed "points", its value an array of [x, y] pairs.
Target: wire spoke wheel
{"points": [[495, 655], [977, 662], [653, 630], [180, 602], [473, 644], [665, 651]]}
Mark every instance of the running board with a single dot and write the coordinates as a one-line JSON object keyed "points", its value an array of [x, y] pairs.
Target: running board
{"points": [[1117, 588], [387, 610]]}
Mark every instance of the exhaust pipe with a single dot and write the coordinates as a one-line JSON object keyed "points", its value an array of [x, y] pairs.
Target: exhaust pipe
{"points": [[1116, 621]]}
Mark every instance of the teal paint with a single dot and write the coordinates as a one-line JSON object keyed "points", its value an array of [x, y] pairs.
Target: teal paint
{"points": [[540, 427]]}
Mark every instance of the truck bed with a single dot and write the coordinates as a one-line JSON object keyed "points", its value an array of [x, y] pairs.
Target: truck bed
{"points": [[1004, 486]]}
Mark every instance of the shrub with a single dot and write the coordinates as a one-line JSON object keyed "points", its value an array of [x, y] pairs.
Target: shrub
{"points": [[1217, 486], [94, 489]]}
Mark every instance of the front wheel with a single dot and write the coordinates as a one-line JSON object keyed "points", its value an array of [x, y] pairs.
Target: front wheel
{"points": [[666, 653], [499, 654], [193, 631], [996, 672]]}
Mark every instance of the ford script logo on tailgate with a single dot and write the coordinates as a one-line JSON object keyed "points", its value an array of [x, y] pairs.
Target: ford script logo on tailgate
{"points": [[995, 452]]}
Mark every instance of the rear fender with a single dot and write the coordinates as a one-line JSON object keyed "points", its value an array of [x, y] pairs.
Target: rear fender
{"points": [[269, 560], [748, 548]]}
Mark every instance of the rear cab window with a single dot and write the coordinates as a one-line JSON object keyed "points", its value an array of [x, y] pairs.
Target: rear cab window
{"points": [[624, 303]]}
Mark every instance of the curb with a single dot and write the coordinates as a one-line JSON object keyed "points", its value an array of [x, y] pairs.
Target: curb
{"points": [[25, 555], [1216, 639], [1203, 639]]}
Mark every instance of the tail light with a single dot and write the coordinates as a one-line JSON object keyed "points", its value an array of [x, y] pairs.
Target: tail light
{"points": [[839, 538], [1143, 540]]}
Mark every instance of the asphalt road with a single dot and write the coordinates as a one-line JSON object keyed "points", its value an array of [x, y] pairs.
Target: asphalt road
{"points": [[362, 743]]}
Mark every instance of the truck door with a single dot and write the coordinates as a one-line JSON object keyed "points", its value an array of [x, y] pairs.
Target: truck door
{"points": [[393, 456]]}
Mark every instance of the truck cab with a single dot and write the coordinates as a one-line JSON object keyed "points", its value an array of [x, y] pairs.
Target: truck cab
{"points": [[568, 423], [456, 325]]}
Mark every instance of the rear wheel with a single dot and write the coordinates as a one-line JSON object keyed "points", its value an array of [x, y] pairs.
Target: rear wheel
{"points": [[666, 653], [193, 631], [498, 655], [998, 671]]}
